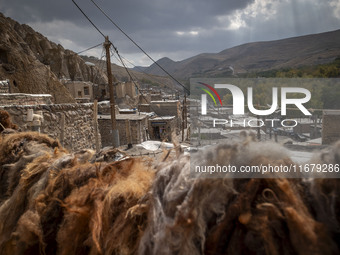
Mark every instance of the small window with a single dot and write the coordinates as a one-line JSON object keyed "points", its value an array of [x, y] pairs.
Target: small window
{"points": [[86, 91], [79, 93]]}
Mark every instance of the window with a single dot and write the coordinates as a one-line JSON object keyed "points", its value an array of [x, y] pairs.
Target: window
{"points": [[79, 93], [86, 91]]}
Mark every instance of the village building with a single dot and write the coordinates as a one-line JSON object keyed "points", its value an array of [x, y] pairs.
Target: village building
{"points": [[308, 128], [168, 108], [330, 126], [123, 89], [162, 127], [144, 98], [144, 108], [80, 90], [156, 96], [132, 128], [101, 92]]}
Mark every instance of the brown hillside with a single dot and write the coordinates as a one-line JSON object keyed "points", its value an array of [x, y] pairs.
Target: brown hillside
{"points": [[258, 56], [121, 74]]}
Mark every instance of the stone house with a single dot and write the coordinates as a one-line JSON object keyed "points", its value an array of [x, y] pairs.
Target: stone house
{"points": [[168, 108], [132, 128], [80, 89], [330, 126], [126, 88], [161, 128]]}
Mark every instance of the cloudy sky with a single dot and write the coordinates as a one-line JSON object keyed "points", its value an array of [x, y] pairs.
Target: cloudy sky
{"points": [[177, 29]]}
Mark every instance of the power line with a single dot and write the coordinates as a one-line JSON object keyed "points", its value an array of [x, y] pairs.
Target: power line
{"points": [[121, 60], [142, 71], [126, 69], [88, 18], [100, 44], [151, 76], [125, 35], [136, 86], [98, 64], [129, 72], [117, 50], [138, 45], [147, 74]]}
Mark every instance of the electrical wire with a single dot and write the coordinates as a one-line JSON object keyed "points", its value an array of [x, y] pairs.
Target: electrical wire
{"points": [[147, 74], [116, 48], [136, 86], [88, 18], [98, 64], [119, 54], [124, 34], [139, 47], [100, 44], [126, 69]]}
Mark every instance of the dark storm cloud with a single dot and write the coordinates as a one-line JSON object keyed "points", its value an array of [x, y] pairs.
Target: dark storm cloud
{"points": [[177, 28], [152, 23], [133, 14]]}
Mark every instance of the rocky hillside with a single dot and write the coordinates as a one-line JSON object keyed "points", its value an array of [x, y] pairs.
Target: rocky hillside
{"points": [[33, 64], [258, 56]]}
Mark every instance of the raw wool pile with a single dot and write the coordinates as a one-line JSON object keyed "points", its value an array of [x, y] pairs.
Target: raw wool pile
{"points": [[54, 202], [325, 193], [5, 121], [241, 216]]}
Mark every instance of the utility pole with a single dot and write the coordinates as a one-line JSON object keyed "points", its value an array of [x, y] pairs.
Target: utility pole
{"points": [[183, 121], [184, 116], [115, 133], [185, 111], [258, 128]]}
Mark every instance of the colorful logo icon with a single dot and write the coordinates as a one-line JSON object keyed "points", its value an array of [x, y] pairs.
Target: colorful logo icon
{"points": [[209, 93]]}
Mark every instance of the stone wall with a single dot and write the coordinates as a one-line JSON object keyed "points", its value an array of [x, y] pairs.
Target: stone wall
{"points": [[144, 108], [78, 132], [156, 97], [167, 108], [25, 99]]}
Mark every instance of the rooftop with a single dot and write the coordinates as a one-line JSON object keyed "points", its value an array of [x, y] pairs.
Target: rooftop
{"points": [[164, 102], [124, 117], [331, 112], [163, 118], [24, 95]]}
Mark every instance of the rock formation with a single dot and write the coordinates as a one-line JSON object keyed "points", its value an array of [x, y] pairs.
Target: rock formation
{"points": [[34, 65]]}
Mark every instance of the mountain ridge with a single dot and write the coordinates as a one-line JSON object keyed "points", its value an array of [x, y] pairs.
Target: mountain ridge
{"points": [[290, 52]]}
